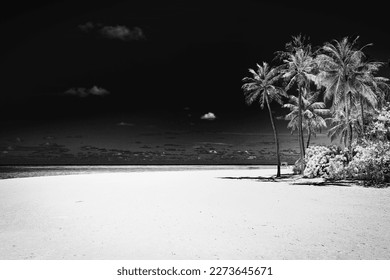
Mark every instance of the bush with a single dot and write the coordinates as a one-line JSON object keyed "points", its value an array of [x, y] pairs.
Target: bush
{"points": [[297, 168], [371, 162], [322, 161], [379, 128], [337, 169]]}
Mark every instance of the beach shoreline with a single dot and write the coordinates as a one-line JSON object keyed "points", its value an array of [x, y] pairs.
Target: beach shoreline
{"points": [[22, 171]]}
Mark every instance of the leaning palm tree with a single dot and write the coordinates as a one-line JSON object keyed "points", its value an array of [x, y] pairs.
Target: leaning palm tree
{"points": [[298, 68], [312, 114], [349, 80], [262, 88]]}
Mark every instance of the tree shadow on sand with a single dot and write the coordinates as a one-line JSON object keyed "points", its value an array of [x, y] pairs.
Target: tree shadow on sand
{"points": [[293, 179]]}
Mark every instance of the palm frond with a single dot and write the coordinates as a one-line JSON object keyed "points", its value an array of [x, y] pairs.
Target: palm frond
{"points": [[262, 83]]}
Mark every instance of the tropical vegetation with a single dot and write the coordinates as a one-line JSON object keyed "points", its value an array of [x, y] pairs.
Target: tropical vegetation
{"points": [[333, 87]]}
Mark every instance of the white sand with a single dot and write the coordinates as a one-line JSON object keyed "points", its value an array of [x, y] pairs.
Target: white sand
{"points": [[189, 215]]}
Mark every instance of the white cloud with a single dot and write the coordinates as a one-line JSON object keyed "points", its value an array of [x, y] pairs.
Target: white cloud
{"points": [[98, 91], [122, 32], [209, 116], [83, 92], [80, 92]]}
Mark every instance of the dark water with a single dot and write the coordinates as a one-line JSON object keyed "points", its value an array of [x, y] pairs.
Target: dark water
{"points": [[180, 138]]}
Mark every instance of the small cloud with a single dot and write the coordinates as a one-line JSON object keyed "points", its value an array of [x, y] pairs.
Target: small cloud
{"points": [[125, 124], [209, 116], [87, 26], [80, 92], [98, 91], [122, 32], [83, 92]]}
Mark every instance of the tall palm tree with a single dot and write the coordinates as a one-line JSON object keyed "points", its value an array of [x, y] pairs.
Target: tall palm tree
{"points": [[349, 81], [312, 114], [262, 88], [369, 89], [298, 69]]}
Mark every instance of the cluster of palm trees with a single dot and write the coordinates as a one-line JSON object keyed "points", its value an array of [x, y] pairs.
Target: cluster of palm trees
{"points": [[338, 72]]}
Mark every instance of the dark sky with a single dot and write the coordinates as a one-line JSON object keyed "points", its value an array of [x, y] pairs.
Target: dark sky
{"points": [[192, 53]]}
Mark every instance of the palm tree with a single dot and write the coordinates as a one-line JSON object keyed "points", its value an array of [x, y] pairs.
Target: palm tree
{"points": [[316, 123], [349, 80], [298, 69], [340, 126], [369, 88], [312, 114], [261, 88]]}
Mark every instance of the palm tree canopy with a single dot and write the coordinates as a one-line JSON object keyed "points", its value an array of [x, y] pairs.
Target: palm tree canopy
{"points": [[344, 72], [370, 87], [339, 126], [312, 112], [262, 85], [298, 60]]}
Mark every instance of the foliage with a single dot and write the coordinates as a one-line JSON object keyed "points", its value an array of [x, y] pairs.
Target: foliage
{"points": [[313, 112], [371, 162], [379, 128], [351, 84], [339, 126], [298, 62], [360, 116], [297, 69], [297, 168], [321, 161], [339, 64]]}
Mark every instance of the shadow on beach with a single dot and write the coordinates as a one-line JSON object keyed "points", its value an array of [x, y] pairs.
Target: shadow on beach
{"points": [[294, 179]]}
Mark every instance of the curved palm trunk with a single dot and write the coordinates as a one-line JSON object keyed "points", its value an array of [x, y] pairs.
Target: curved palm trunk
{"points": [[275, 135], [300, 131], [308, 138]]}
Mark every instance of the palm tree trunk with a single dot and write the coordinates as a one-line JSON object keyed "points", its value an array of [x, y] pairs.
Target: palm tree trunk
{"points": [[275, 135], [362, 113], [301, 142], [349, 128], [308, 138]]}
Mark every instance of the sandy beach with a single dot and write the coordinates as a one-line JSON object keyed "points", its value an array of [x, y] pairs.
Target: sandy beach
{"points": [[191, 214]]}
